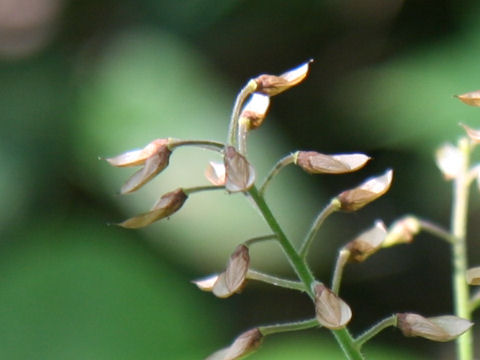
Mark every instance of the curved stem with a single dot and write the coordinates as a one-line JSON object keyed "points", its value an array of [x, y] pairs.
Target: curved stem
{"points": [[206, 144], [241, 97], [195, 189], [333, 206], [459, 251], [343, 256], [436, 230], [293, 326], [257, 239], [283, 162], [375, 329], [276, 281]]}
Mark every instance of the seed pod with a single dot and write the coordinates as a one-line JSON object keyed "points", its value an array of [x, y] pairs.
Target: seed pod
{"points": [[255, 110], [402, 231], [332, 312], [440, 328], [367, 243], [473, 134], [233, 279], [167, 205], [473, 276], [317, 163], [243, 345], [215, 173], [138, 157], [239, 174], [370, 190], [449, 160], [273, 85], [471, 98]]}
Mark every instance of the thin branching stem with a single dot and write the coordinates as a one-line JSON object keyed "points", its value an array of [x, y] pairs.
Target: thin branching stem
{"points": [[292, 326], [459, 249], [436, 230], [196, 189], [334, 205], [276, 281], [206, 144], [343, 256], [283, 162], [375, 329], [241, 97], [258, 239]]}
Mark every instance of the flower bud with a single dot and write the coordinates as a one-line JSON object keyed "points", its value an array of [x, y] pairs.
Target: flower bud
{"points": [[402, 231], [370, 190], [255, 110], [471, 98], [449, 160], [272, 85], [317, 163], [138, 157], [164, 207], [331, 311], [240, 175], [243, 345], [440, 328], [367, 242], [474, 135], [473, 276], [215, 173], [232, 280]]}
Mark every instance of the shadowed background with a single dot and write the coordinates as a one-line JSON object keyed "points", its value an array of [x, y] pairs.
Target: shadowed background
{"points": [[85, 79]]}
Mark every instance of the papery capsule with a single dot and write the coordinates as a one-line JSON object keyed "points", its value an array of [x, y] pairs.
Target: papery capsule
{"points": [[402, 231], [473, 276], [232, 280], [316, 163], [272, 85], [243, 345], [255, 110], [331, 311], [167, 205], [440, 328], [449, 160], [470, 98], [239, 174], [138, 157], [367, 243], [370, 190]]}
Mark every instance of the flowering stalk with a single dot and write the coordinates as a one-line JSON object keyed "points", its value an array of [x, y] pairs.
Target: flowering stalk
{"points": [[459, 249]]}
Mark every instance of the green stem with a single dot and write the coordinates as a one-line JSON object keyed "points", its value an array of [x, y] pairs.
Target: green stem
{"points": [[207, 144], [436, 230], [241, 97], [297, 262], [273, 280], [333, 206], [257, 239], [475, 301], [343, 256], [459, 251], [375, 329], [195, 189], [293, 326], [287, 160], [348, 345]]}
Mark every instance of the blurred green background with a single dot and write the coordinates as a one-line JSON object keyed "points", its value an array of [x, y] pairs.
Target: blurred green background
{"points": [[85, 79]]}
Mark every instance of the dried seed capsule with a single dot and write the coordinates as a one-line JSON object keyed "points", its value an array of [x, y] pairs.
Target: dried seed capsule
{"points": [[332, 312], [239, 174], [243, 345], [316, 163]]}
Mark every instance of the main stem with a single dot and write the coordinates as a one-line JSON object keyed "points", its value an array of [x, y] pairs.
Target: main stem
{"points": [[345, 340], [459, 251]]}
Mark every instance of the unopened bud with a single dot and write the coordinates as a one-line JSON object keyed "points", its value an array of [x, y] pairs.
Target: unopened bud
{"points": [[167, 205], [440, 328], [239, 174], [370, 190], [243, 345], [317, 163], [402, 231], [232, 280], [331, 311], [449, 160], [138, 157], [473, 134], [215, 173], [367, 242], [471, 98], [473, 276], [272, 85], [255, 110]]}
